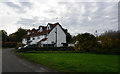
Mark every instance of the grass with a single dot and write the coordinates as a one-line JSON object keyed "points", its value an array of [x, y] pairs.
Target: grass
{"points": [[75, 62], [3, 48]]}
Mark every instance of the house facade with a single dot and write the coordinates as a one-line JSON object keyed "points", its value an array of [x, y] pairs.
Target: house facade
{"points": [[51, 35]]}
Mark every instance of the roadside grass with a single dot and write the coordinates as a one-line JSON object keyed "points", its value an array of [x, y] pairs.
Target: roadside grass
{"points": [[15, 50], [75, 62], [3, 48]]}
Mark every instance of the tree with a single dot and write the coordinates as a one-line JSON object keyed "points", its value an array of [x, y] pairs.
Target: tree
{"points": [[4, 35], [86, 42], [18, 35], [106, 42], [73, 40], [68, 37], [110, 41], [12, 37]]}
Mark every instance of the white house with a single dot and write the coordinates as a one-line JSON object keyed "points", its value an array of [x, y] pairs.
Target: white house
{"points": [[50, 35]]}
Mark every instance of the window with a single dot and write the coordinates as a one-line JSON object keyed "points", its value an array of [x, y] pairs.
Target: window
{"points": [[24, 39], [40, 29], [52, 42], [33, 38], [48, 27], [28, 33]]}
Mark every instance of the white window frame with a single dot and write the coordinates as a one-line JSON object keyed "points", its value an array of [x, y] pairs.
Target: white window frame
{"points": [[41, 29]]}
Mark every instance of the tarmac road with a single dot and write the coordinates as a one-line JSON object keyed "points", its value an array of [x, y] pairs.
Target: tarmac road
{"points": [[12, 63]]}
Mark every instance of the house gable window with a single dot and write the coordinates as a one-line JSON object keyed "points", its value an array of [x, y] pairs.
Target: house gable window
{"points": [[41, 29], [48, 27]]}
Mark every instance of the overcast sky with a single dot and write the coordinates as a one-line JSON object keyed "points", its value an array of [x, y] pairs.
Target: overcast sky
{"points": [[77, 17]]}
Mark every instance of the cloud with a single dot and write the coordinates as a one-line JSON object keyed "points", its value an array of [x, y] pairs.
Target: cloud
{"points": [[19, 7], [27, 21], [89, 18], [12, 5], [77, 17]]}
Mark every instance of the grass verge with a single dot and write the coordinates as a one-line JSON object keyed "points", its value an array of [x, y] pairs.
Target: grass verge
{"points": [[75, 62]]}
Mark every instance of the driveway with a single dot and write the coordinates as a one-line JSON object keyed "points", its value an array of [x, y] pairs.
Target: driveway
{"points": [[12, 63]]}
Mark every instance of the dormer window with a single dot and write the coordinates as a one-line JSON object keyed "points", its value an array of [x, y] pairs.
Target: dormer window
{"points": [[28, 33], [48, 27], [41, 29]]}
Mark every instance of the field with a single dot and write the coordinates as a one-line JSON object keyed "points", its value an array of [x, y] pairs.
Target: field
{"points": [[75, 62]]}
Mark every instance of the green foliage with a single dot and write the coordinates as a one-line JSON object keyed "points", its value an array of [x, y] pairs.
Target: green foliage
{"points": [[4, 36], [18, 35], [12, 37], [19, 44], [73, 40], [106, 42], [110, 42], [89, 43], [86, 41]]}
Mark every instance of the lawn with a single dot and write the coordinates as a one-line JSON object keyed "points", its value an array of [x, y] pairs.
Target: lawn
{"points": [[75, 62]]}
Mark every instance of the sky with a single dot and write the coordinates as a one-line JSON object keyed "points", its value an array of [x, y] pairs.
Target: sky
{"points": [[76, 16]]}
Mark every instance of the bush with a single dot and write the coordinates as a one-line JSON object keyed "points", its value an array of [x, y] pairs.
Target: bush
{"points": [[85, 42], [19, 44]]}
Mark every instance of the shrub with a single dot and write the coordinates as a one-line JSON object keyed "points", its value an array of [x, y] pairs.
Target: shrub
{"points": [[85, 42], [19, 44]]}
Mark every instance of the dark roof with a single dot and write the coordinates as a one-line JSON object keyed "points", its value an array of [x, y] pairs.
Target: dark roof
{"points": [[44, 39]]}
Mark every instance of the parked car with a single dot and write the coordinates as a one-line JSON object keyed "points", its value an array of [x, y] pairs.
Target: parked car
{"points": [[19, 49], [25, 46]]}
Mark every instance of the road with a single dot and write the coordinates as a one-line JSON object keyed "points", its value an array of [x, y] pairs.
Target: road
{"points": [[12, 63]]}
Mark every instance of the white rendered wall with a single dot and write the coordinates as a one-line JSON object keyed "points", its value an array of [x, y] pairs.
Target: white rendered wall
{"points": [[51, 36], [36, 40], [61, 36]]}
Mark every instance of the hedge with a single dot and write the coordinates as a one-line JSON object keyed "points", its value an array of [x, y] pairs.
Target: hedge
{"points": [[9, 44], [48, 49]]}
